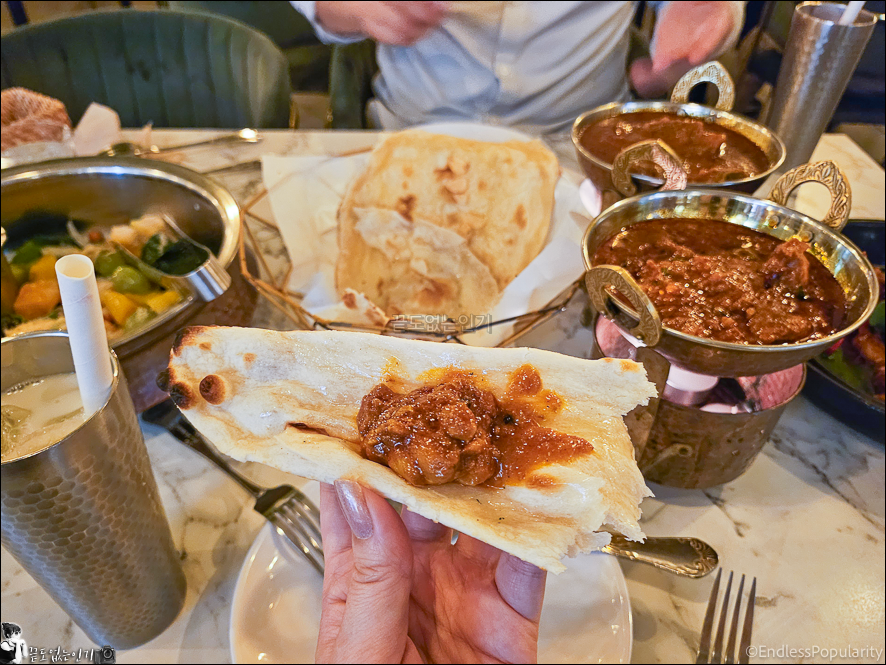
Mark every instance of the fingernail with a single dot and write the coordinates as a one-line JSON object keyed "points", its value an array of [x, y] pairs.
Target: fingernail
{"points": [[353, 505]]}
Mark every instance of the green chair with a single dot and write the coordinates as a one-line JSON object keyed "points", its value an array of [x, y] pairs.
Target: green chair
{"points": [[350, 84], [170, 68], [308, 57], [345, 70]]}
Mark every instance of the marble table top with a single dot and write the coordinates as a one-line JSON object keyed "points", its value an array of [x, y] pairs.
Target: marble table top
{"points": [[807, 518]]}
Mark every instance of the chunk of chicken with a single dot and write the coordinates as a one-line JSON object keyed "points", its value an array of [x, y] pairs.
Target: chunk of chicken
{"points": [[788, 266], [432, 435]]}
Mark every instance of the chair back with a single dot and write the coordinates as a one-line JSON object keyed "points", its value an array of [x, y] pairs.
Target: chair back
{"points": [[170, 68]]}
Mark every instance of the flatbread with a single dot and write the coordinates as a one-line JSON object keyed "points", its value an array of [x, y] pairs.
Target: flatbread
{"points": [[290, 400], [428, 269], [496, 197]]}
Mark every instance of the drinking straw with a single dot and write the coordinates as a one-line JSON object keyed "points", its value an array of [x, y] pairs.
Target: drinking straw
{"points": [[86, 330], [850, 13]]}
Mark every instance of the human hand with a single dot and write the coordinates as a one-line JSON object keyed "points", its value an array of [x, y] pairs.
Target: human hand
{"points": [[397, 590], [686, 35], [398, 23]]}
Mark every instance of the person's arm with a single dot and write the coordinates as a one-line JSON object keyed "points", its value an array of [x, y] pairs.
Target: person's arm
{"points": [[398, 23], [687, 34], [732, 10], [309, 10]]}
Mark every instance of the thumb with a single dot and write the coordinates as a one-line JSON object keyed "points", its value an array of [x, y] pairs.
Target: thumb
{"points": [[375, 620]]}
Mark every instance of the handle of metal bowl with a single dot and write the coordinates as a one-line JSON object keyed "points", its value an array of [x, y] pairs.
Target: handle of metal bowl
{"points": [[828, 174], [653, 150], [710, 72], [600, 278]]}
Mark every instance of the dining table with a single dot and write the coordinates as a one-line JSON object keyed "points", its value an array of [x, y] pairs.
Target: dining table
{"points": [[806, 519]]}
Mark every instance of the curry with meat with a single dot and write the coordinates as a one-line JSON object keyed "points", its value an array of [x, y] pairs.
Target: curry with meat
{"points": [[458, 431], [725, 282], [859, 359], [711, 153]]}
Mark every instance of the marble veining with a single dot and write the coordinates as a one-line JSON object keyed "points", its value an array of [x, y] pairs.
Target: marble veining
{"points": [[807, 518]]}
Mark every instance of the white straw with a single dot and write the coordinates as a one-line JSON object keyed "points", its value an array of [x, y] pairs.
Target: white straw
{"points": [[86, 330], [850, 13]]}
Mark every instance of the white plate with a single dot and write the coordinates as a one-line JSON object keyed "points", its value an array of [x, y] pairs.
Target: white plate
{"points": [[275, 615]]}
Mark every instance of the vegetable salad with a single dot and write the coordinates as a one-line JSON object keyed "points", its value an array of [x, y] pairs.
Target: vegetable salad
{"points": [[30, 295]]}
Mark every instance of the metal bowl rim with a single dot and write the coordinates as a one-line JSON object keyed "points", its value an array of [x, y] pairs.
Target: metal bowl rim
{"points": [[731, 346], [196, 183], [115, 386], [700, 111], [142, 167]]}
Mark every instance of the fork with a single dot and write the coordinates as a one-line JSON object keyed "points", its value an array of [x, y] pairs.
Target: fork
{"points": [[287, 508], [704, 647]]}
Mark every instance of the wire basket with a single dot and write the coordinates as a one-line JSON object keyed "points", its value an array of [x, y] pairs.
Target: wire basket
{"points": [[271, 284]]}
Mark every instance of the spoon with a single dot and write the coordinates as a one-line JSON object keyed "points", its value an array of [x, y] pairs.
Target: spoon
{"points": [[129, 148], [689, 557]]}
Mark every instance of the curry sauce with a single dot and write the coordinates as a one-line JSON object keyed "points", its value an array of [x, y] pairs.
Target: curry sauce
{"points": [[726, 282], [711, 153], [458, 431]]}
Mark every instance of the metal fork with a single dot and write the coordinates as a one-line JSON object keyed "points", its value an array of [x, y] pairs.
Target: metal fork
{"points": [[704, 647], [246, 135], [288, 509]]}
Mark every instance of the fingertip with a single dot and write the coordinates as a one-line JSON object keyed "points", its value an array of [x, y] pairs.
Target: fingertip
{"points": [[661, 63], [521, 584], [478, 551], [424, 530], [697, 59], [385, 518], [327, 496], [334, 527], [379, 535], [641, 68]]}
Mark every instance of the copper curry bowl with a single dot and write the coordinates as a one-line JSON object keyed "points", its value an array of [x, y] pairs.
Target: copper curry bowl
{"points": [[634, 313], [619, 179]]}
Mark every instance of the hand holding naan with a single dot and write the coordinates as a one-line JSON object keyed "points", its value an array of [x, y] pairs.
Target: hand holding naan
{"points": [[397, 590]]}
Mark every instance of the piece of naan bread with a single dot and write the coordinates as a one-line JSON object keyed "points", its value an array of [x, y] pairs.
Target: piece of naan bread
{"points": [[482, 213], [290, 400], [427, 266]]}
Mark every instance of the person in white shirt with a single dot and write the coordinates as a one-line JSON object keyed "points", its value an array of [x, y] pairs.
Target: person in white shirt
{"points": [[532, 65]]}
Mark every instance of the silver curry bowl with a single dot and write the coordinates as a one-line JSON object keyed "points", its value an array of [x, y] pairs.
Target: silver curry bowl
{"points": [[842, 258], [103, 191], [617, 180]]}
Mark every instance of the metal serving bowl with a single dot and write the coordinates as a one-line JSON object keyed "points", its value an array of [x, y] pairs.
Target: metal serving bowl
{"points": [[103, 191], [706, 356], [617, 185]]}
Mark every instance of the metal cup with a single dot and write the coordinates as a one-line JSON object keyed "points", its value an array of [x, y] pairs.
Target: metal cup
{"points": [[84, 516], [820, 57]]}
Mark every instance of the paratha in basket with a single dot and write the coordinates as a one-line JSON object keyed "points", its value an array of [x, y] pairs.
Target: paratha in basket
{"points": [[441, 225]]}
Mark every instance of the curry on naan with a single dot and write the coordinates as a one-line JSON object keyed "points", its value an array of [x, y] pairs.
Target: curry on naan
{"points": [[524, 449]]}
